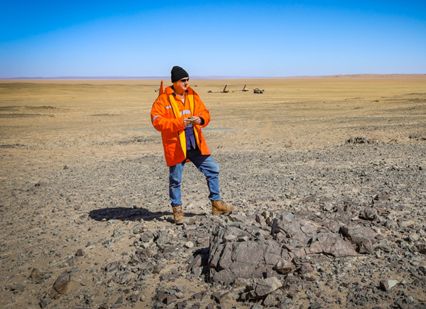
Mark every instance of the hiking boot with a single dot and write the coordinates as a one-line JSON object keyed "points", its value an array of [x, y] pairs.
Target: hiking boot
{"points": [[221, 208], [178, 214]]}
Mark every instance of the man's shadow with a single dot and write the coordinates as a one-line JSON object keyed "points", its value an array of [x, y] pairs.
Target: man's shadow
{"points": [[133, 214]]}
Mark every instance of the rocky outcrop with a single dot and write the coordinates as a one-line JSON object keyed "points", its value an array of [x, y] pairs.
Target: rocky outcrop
{"points": [[246, 251]]}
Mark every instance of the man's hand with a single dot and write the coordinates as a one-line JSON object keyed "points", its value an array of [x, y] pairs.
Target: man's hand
{"points": [[193, 120]]}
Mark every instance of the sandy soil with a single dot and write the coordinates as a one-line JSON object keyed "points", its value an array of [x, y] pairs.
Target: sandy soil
{"points": [[82, 168]]}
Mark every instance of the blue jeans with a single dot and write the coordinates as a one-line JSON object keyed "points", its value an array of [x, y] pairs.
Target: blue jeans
{"points": [[206, 165]]}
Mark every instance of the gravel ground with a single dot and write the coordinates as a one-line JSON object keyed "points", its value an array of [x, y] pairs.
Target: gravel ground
{"points": [[80, 220]]}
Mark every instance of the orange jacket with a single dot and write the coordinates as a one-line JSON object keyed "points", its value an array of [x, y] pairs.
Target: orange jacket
{"points": [[167, 117]]}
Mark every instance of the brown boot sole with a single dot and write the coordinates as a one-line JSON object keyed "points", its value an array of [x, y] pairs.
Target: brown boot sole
{"points": [[218, 213]]}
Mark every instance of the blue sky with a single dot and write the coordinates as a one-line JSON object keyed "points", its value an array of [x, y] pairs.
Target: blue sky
{"points": [[211, 38]]}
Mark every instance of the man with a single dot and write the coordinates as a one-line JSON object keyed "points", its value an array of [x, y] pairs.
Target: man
{"points": [[179, 114]]}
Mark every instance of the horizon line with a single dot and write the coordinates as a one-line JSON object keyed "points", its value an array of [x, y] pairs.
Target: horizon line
{"points": [[206, 77]]}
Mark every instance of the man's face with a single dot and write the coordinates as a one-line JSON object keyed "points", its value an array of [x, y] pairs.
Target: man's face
{"points": [[181, 85]]}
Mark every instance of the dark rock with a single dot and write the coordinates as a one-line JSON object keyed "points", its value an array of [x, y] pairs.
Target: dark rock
{"points": [[230, 260], [417, 136], [297, 232], [133, 298], [199, 263], [358, 140], [113, 266], [165, 296], [271, 300], [284, 267], [44, 301], [368, 214], [305, 268], [227, 299], [148, 236], [199, 295], [241, 251], [260, 219], [61, 283], [361, 236], [331, 244], [123, 277], [263, 287], [79, 252], [164, 240], [421, 248]]}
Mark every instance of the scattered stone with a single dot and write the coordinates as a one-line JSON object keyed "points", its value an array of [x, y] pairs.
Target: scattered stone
{"points": [[199, 295], [37, 276], [16, 288], [422, 248], [133, 298], [271, 300], [189, 244], [331, 244], [368, 214], [61, 283], [387, 285], [417, 136], [305, 268], [44, 301], [361, 236], [165, 296], [79, 252], [223, 298], [138, 229], [320, 190], [112, 266], [296, 232], [284, 267], [358, 140], [314, 306], [265, 286]]}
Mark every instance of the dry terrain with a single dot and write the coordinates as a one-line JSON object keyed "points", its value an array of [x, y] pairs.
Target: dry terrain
{"points": [[85, 220]]}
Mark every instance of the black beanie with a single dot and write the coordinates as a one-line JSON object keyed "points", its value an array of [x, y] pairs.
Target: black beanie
{"points": [[178, 73]]}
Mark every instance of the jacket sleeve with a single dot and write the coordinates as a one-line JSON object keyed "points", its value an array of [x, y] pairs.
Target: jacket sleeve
{"points": [[161, 121], [201, 110]]}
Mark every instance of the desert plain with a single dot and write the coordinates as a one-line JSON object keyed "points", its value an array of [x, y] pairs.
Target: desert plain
{"points": [[86, 223]]}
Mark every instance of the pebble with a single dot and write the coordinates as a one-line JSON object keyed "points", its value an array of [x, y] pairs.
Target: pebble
{"points": [[189, 244], [387, 285], [61, 283]]}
